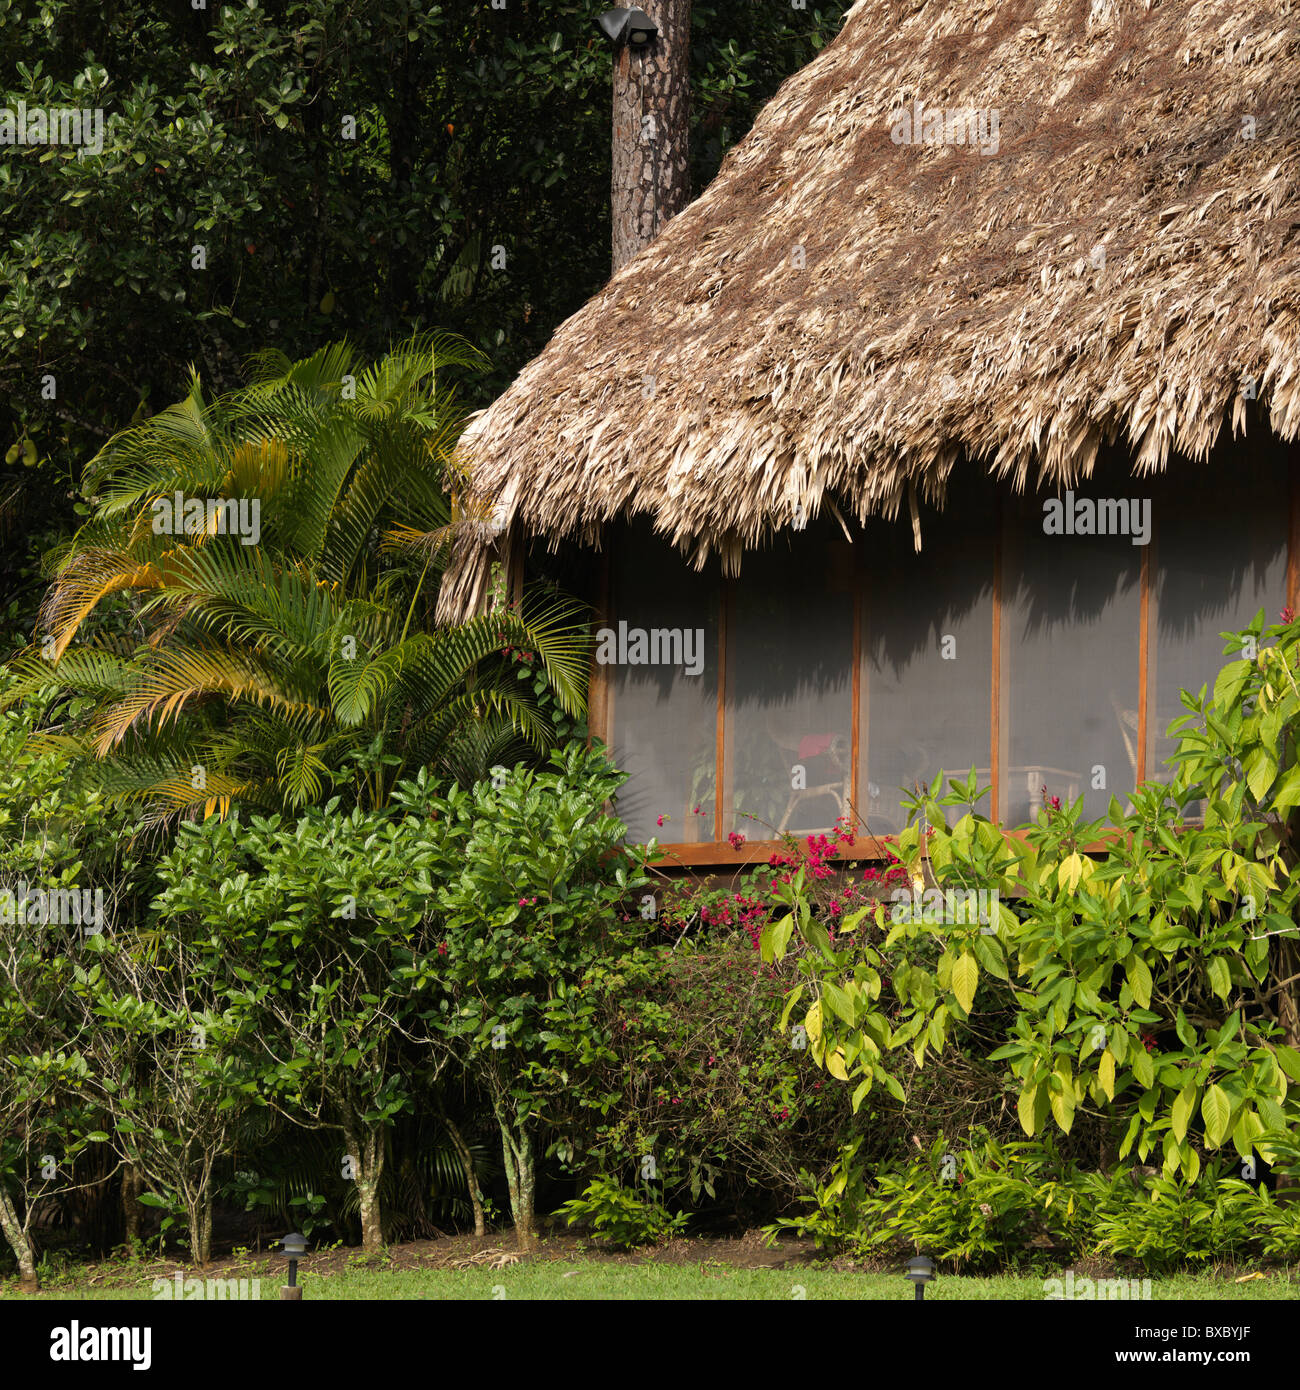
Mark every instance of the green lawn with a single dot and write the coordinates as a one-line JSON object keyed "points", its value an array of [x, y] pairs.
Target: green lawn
{"points": [[579, 1279]]}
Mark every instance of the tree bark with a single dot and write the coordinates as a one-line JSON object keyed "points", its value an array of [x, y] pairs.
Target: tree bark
{"points": [[467, 1167], [131, 1208], [18, 1243], [205, 1228], [652, 103], [198, 1217], [517, 1149], [370, 1166]]}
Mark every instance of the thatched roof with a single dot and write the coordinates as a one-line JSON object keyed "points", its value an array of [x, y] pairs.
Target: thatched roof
{"points": [[952, 302]]}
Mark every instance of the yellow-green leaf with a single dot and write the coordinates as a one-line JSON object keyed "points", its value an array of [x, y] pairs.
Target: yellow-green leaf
{"points": [[1106, 1073], [965, 976], [813, 1021], [1062, 1100], [1216, 1109], [1191, 1161], [1139, 980], [1289, 1060], [1181, 1114], [1025, 1109], [1069, 872]]}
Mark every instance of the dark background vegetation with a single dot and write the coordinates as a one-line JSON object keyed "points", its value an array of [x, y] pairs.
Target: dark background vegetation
{"points": [[475, 128]]}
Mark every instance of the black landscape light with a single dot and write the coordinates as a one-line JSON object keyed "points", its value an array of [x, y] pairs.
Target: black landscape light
{"points": [[295, 1247], [633, 27], [920, 1269]]}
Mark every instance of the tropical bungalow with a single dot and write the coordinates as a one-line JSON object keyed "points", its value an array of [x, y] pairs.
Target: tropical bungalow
{"points": [[949, 427]]}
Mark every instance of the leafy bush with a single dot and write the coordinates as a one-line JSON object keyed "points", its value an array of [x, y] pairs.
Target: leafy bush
{"points": [[693, 1075], [975, 1207], [621, 1217], [1143, 975], [988, 1205], [1165, 1223], [531, 872]]}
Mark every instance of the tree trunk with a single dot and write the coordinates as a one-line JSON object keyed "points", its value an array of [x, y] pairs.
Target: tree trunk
{"points": [[652, 95], [517, 1149], [467, 1167], [131, 1208], [194, 1213], [205, 1228], [370, 1165], [18, 1243]]}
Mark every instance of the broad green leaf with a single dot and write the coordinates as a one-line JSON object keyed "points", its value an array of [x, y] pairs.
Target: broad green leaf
{"points": [[840, 1002], [989, 955], [1127, 1143], [1289, 1060], [1287, 794], [1139, 980], [1229, 683], [1144, 1072], [1220, 979], [791, 1000], [1062, 1100], [1191, 1162], [1216, 1109], [1260, 768], [1181, 1114], [1247, 1127]]}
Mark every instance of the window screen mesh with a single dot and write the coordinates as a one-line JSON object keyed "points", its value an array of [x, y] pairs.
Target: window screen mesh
{"points": [[664, 721], [929, 620], [1070, 618], [1220, 557], [789, 684]]}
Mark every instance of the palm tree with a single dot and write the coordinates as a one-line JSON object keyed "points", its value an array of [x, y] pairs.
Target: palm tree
{"points": [[247, 614]]}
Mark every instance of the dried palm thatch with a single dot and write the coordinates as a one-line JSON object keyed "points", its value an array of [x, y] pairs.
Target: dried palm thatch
{"points": [[844, 316]]}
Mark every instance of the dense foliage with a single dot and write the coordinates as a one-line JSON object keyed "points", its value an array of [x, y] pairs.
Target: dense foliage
{"points": [[289, 172], [1142, 979]]}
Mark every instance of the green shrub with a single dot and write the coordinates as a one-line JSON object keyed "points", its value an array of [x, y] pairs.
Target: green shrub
{"points": [[981, 1206], [1164, 1223], [693, 1074], [620, 1216], [1145, 976]]}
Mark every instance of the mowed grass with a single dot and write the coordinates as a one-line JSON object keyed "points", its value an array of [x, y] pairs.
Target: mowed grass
{"points": [[578, 1279]]}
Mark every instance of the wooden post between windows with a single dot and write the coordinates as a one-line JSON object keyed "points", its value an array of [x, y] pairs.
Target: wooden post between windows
{"points": [[1144, 673], [600, 685], [995, 695], [721, 770]]}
